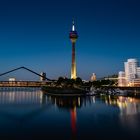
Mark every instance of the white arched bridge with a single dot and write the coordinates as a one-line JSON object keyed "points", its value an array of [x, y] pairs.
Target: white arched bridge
{"points": [[24, 83]]}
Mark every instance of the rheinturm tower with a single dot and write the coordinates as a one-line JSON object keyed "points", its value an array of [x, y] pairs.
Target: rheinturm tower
{"points": [[73, 37]]}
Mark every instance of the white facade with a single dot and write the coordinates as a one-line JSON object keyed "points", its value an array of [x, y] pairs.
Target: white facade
{"points": [[12, 79], [131, 69], [122, 79], [131, 75], [135, 82], [93, 77], [138, 72], [42, 74]]}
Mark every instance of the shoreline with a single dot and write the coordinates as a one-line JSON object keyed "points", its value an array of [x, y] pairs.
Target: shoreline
{"points": [[64, 91], [65, 95], [76, 91]]}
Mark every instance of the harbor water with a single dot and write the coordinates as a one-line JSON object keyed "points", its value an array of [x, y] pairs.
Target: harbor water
{"points": [[28, 113]]}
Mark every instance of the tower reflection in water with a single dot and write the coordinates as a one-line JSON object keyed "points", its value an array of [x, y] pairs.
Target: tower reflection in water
{"points": [[127, 105], [73, 120], [36, 101], [21, 106], [71, 104]]}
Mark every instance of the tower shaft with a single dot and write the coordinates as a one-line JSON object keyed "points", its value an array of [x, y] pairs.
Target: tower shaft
{"points": [[73, 66], [73, 37]]}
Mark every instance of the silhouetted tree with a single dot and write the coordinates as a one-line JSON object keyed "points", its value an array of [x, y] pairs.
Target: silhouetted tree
{"points": [[78, 81], [60, 80]]}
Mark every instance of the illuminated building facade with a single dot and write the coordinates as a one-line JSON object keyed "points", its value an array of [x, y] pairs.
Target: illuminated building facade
{"points": [[138, 72], [73, 37], [12, 79], [131, 76], [93, 77], [43, 78], [121, 79], [131, 69]]}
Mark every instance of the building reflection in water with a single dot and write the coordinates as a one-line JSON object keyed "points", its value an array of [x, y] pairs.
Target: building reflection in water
{"points": [[127, 105], [21, 96], [28, 102], [40, 102]]}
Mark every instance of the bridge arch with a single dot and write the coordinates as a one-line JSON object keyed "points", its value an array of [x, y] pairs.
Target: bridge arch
{"points": [[45, 78]]}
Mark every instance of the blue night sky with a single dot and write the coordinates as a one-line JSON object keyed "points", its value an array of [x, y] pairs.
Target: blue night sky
{"points": [[35, 34]]}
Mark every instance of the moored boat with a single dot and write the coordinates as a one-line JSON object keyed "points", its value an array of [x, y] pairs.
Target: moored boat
{"points": [[64, 91]]}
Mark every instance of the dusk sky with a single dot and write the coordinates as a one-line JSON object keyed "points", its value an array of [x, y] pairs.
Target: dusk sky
{"points": [[35, 34]]}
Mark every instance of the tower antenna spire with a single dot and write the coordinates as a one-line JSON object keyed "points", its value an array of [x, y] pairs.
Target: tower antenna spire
{"points": [[73, 25]]}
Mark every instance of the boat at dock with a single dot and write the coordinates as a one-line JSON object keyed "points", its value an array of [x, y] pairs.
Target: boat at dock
{"points": [[62, 91], [92, 91]]}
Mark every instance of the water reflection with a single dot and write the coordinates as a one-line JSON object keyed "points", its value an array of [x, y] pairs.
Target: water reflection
{"points": [[127, 105], [36, 101], [21, 96], [70, 104], [74, 118], [21, 105]]}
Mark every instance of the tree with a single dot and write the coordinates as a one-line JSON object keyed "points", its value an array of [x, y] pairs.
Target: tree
{"points": [[60, 80], [78, 81]]}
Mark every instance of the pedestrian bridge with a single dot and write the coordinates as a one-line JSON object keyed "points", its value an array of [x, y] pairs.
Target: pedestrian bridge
{"points": [[22, 83]]}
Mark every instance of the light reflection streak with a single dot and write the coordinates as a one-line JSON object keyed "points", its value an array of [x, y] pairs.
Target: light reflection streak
{"points": [[127, 105], [21, 96], [73, 120]]}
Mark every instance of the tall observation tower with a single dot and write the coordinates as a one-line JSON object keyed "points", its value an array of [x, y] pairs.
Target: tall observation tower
{"points": [[73, 37]]}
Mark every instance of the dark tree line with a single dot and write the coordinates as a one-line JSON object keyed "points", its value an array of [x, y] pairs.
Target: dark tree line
{"points": [[69, 82]]}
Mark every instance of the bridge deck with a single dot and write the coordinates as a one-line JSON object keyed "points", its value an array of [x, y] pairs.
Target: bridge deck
{"points": [[22, 83]]}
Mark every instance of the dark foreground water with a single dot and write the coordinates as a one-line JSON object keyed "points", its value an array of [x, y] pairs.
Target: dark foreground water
{"points": [[27, 114]]}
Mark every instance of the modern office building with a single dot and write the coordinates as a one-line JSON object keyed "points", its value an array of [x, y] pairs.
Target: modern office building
{"points": [[73, 37], [131, 69], [131, 75]]}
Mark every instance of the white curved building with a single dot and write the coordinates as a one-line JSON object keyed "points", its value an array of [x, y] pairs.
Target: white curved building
{"points": [[131, 69], [131, 76]]}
